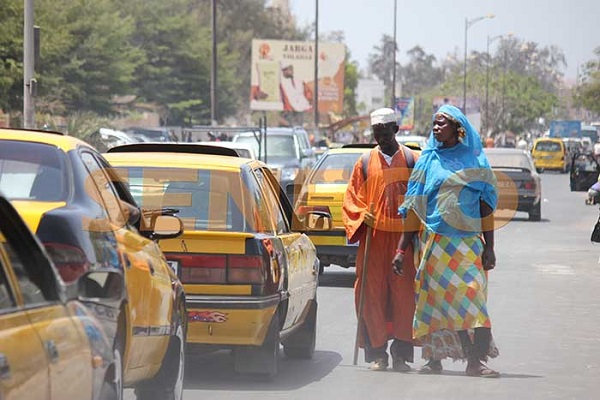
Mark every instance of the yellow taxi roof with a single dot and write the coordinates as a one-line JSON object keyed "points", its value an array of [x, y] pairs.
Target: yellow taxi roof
{"points": [[177, 160], [64, 142]]}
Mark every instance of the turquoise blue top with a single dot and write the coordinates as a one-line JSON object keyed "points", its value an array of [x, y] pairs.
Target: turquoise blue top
{"points": [[447, 184]]}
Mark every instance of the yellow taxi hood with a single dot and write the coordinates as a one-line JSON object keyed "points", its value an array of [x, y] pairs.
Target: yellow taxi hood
{"points": [[33, 211]]}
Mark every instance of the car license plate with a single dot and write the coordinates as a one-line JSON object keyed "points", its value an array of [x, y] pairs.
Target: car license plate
{"points": [[174, 265], [504, 184]]}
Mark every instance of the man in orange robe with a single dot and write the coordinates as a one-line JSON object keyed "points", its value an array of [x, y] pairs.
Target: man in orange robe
{"points": [[373, 200]]}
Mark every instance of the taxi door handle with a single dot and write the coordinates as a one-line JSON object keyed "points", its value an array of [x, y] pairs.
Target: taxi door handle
{"points": [[4, 367], [52, 350]]}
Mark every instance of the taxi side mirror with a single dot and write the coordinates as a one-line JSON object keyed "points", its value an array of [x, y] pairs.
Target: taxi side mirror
{"points": [[166, 227], [314, 218], [101, 286]]}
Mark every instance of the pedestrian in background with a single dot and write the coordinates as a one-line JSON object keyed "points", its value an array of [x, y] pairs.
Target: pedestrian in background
{"points": [[452, 190], [376, 189]]}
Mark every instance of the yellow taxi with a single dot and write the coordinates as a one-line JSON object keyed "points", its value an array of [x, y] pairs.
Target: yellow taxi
{"points": [[250, 273], [324, 188], [550, 153], [51, 346], [87, 220]]}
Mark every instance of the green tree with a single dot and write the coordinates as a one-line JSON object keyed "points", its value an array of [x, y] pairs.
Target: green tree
{"points": [[381, 62], [11, 55], [420, 72], [85, 53], [587, 94]]}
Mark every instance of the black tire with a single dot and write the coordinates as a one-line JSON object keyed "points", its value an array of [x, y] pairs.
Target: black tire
{"points": [[260, 360], [535, 214], [168, 382], [301, 344], [540, 170], [112, 388]]}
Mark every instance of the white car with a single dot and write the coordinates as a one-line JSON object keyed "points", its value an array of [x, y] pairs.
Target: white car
{"points": [[415, 140]]}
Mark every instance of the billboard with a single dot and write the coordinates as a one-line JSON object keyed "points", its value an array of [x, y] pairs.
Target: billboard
{"points": [[282, 77], [564, 129]]}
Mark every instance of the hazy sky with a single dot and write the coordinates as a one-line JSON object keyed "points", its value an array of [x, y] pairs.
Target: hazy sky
{"points": [[439, 26]]}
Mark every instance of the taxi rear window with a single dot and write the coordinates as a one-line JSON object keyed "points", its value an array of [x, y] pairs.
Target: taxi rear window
{"points": [[205, 199], [548, 146], [32, 171]]}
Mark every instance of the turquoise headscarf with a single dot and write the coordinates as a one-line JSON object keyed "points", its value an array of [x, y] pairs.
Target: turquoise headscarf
{"points": [[447, 184]]}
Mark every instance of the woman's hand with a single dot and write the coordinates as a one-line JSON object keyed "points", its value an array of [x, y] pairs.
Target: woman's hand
{"points": [[397, 262], [488, 258]]}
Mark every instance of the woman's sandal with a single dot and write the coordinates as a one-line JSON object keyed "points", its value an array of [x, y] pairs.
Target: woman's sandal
{"points": [[481, 370]]}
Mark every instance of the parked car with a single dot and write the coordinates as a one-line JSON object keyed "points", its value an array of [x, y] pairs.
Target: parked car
{"points": [[88, 221], [286, 151], [51, 346], [519, 185], [324, 188], [248, 268], [149, 134]]}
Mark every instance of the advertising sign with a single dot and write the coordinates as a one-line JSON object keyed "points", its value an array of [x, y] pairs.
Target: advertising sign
{"points": [[405, 108], [564, 129], [282, 76]]}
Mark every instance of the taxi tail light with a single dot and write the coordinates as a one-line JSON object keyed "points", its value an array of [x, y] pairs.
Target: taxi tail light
{"points": [[221, 268], [70, 261], [203, 268], [246, 269], [528, 185]]}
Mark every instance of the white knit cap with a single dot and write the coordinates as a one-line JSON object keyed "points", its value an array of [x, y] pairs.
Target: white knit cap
{"points": [[383, 116]]}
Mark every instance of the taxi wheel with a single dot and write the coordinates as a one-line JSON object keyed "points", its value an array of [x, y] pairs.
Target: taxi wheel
{"points": [[168, 382], [535, 214], [112, 388], [260, 360], [302, 343]]}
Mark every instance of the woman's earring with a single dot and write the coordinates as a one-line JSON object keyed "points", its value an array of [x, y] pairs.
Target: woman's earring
{"points": [[461, 132]]}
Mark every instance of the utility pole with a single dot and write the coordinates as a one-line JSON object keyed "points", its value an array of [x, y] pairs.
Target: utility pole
{"points": [[316, 79], [213, 69], [28, 67], [393, 102], [468, 24]]}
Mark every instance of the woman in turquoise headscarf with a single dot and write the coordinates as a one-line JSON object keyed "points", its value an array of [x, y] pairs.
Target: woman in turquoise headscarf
{"points": [[452, 194]]}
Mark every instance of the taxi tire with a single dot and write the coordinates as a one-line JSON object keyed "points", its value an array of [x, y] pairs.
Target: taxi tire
{"points": [[260, 360], [301, 344], [535, 213], [118, 350], [168, 382]]}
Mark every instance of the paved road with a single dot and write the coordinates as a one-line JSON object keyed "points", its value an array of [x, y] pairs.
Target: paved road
{"points": [[545, 307]]}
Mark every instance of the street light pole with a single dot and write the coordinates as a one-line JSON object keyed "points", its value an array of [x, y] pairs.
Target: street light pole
{"points": [[28, 67], [468, 24], [316, 79], [393, 102], [490, 40], [213, 69]]}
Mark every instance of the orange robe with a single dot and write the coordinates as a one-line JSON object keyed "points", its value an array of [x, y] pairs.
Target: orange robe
{"points": [[389, 299]]}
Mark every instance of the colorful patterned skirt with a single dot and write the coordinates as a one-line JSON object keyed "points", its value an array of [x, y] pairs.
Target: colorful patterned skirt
{"points": [[451, 294]]}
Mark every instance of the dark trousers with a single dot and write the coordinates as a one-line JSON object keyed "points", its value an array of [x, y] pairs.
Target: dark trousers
{"points": [[399, 349], [478, 348]]}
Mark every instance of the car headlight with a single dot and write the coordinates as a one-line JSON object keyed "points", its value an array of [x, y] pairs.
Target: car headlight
{"points": [[289, 174]]}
